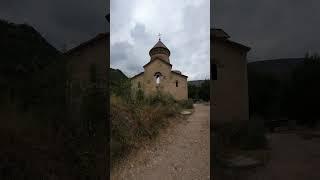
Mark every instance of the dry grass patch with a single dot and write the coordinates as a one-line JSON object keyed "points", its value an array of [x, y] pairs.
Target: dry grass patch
{"points": [[135, 122]]}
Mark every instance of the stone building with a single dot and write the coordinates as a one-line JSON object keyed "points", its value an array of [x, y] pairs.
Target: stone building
{"points": [[87, 66], [158, 75], [229, 90], [87, 72]]}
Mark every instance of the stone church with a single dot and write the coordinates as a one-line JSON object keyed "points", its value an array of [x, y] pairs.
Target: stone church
{"points": [[229, 88], [158, 75]]}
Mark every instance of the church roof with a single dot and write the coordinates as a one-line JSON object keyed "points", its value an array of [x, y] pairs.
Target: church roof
{"points": [[137, 75], [160, 44], [164, 61], [99, 37], [179, 74], [220, 35]]}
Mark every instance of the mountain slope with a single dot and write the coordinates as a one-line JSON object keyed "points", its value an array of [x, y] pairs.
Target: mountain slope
{"points": [[23, 49], [268, 85], [116, 75], [196, 83], [278, 68]]}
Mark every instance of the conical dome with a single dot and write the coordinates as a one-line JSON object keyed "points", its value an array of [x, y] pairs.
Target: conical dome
{"points": [[160, 44], [159, 50]]}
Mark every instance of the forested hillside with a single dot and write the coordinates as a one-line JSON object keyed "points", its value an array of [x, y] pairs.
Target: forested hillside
{"points": [[23, 49], [32, 105], [285, 88]]}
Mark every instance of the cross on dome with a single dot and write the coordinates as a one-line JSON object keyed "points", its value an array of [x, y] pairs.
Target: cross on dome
{"points": [[159, 36]]}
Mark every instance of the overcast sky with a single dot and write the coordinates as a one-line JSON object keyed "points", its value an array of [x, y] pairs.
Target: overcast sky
{"points": [[184, 25], [272, 28], [61, 22]]}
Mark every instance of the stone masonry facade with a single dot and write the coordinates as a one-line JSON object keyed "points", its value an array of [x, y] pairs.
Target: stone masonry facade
{"points": [[158, 75]]}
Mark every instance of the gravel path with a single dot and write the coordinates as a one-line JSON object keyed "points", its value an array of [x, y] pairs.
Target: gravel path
{"points": [[180, 152], [292, 158]]}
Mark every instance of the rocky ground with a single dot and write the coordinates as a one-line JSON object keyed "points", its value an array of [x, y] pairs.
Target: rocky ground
{"points": [[180, 152], [293, 157]]}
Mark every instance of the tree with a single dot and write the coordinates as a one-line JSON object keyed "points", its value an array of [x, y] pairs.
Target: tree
{"points": [[193, 91], [263, 94], [204, 91], [304, 91]]}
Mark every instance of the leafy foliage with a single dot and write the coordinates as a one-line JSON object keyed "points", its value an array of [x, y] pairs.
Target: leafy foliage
{"points": [[204, 92], [304, 90], [263, 93], [200, 92], [187, 104], [193, 92], [296, 98]]}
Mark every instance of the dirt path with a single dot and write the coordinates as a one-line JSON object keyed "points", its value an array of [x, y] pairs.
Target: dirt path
{"points": [[182, 152], [292, 157]]}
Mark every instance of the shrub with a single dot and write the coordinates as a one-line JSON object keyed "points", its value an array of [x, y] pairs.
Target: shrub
{"points": [[160, 98], [136, 120], [140, 95], [186, 104], [122, 89], [199, 92]]}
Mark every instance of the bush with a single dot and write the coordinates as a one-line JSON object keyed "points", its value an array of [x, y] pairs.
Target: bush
{"points": [[140, 95], [201, 92], [186, 104], [160, 99], [122, 89], [134, 121]]}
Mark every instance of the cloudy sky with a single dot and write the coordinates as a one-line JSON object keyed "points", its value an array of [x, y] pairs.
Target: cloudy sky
{"points": [[61, 22], [184, 25], [272, 28]]}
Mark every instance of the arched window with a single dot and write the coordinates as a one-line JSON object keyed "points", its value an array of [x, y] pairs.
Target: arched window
{"points": [[177, 83], [158, 77]]}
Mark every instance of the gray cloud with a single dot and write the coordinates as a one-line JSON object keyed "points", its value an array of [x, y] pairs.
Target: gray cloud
{"points": [[273, 29], [185, 29], [60, 22]]}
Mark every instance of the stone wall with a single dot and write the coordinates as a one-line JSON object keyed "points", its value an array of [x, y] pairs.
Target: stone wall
{"points": [[88, 67], [180, 92], [167, 81], [230, 90], [80, 67]]}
